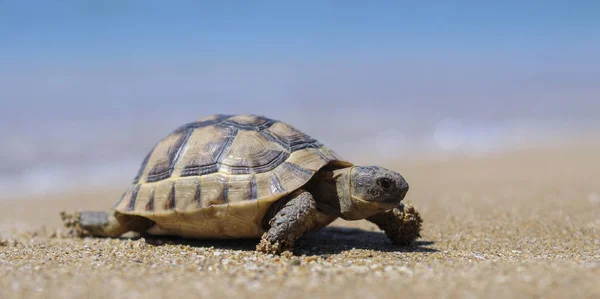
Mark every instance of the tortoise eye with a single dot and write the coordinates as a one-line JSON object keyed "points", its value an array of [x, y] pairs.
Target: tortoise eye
{"points": [[384, 183]]}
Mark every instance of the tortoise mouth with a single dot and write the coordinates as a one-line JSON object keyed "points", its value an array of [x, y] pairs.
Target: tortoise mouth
{"points": [[385, 204], [397, 197], [393, 200], [390, 202]]}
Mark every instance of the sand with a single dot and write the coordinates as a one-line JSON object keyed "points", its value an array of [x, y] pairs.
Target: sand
{"points": [[520, 224]]}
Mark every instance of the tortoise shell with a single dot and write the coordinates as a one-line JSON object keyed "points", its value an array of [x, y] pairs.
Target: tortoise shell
{"points": [[217, 177]]}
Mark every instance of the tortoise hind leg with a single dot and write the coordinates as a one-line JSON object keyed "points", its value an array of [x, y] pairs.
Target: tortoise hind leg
{"points": [[103, 224]]}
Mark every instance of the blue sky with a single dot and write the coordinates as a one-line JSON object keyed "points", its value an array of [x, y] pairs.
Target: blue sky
{"points": [[123, 67], [51, 31]]}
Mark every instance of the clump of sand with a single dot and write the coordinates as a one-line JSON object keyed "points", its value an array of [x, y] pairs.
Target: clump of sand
{"points": [[71, 223]]}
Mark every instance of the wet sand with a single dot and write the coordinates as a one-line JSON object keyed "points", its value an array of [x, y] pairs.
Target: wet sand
{"points": [[524, 224]]}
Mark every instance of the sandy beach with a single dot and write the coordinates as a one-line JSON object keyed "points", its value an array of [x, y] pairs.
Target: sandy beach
{"points": [[519, 224]]}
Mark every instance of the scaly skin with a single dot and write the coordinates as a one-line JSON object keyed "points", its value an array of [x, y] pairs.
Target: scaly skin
{"points": [[295, 218]]}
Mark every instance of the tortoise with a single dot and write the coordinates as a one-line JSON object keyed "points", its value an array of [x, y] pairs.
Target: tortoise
{"points": [[248, 176]]}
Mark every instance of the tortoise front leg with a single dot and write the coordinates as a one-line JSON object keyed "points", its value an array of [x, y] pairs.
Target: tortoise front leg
{"points": [[402, 224], [292, 220]]}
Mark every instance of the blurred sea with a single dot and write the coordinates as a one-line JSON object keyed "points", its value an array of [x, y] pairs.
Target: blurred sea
{"points": [[92, 125]]}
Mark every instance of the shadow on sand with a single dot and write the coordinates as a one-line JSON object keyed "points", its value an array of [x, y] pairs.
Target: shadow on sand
{"points": [[330, 240]]}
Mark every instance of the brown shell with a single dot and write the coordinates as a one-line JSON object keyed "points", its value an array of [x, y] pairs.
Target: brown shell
{"points": [[216, 177]]}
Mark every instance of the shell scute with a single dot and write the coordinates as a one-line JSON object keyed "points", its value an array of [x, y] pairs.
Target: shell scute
{"points": [[163, 193], [251, 152], [200, 155], [162, 160], [248, 120], [145, 198], [240, 188], [290, 137], [185, 192]]}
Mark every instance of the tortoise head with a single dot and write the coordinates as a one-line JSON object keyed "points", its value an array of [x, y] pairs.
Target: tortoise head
{"points": [[366, 190]]}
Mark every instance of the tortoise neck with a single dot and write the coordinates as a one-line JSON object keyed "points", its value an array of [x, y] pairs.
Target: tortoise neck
{"points": [[330, 188]]}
